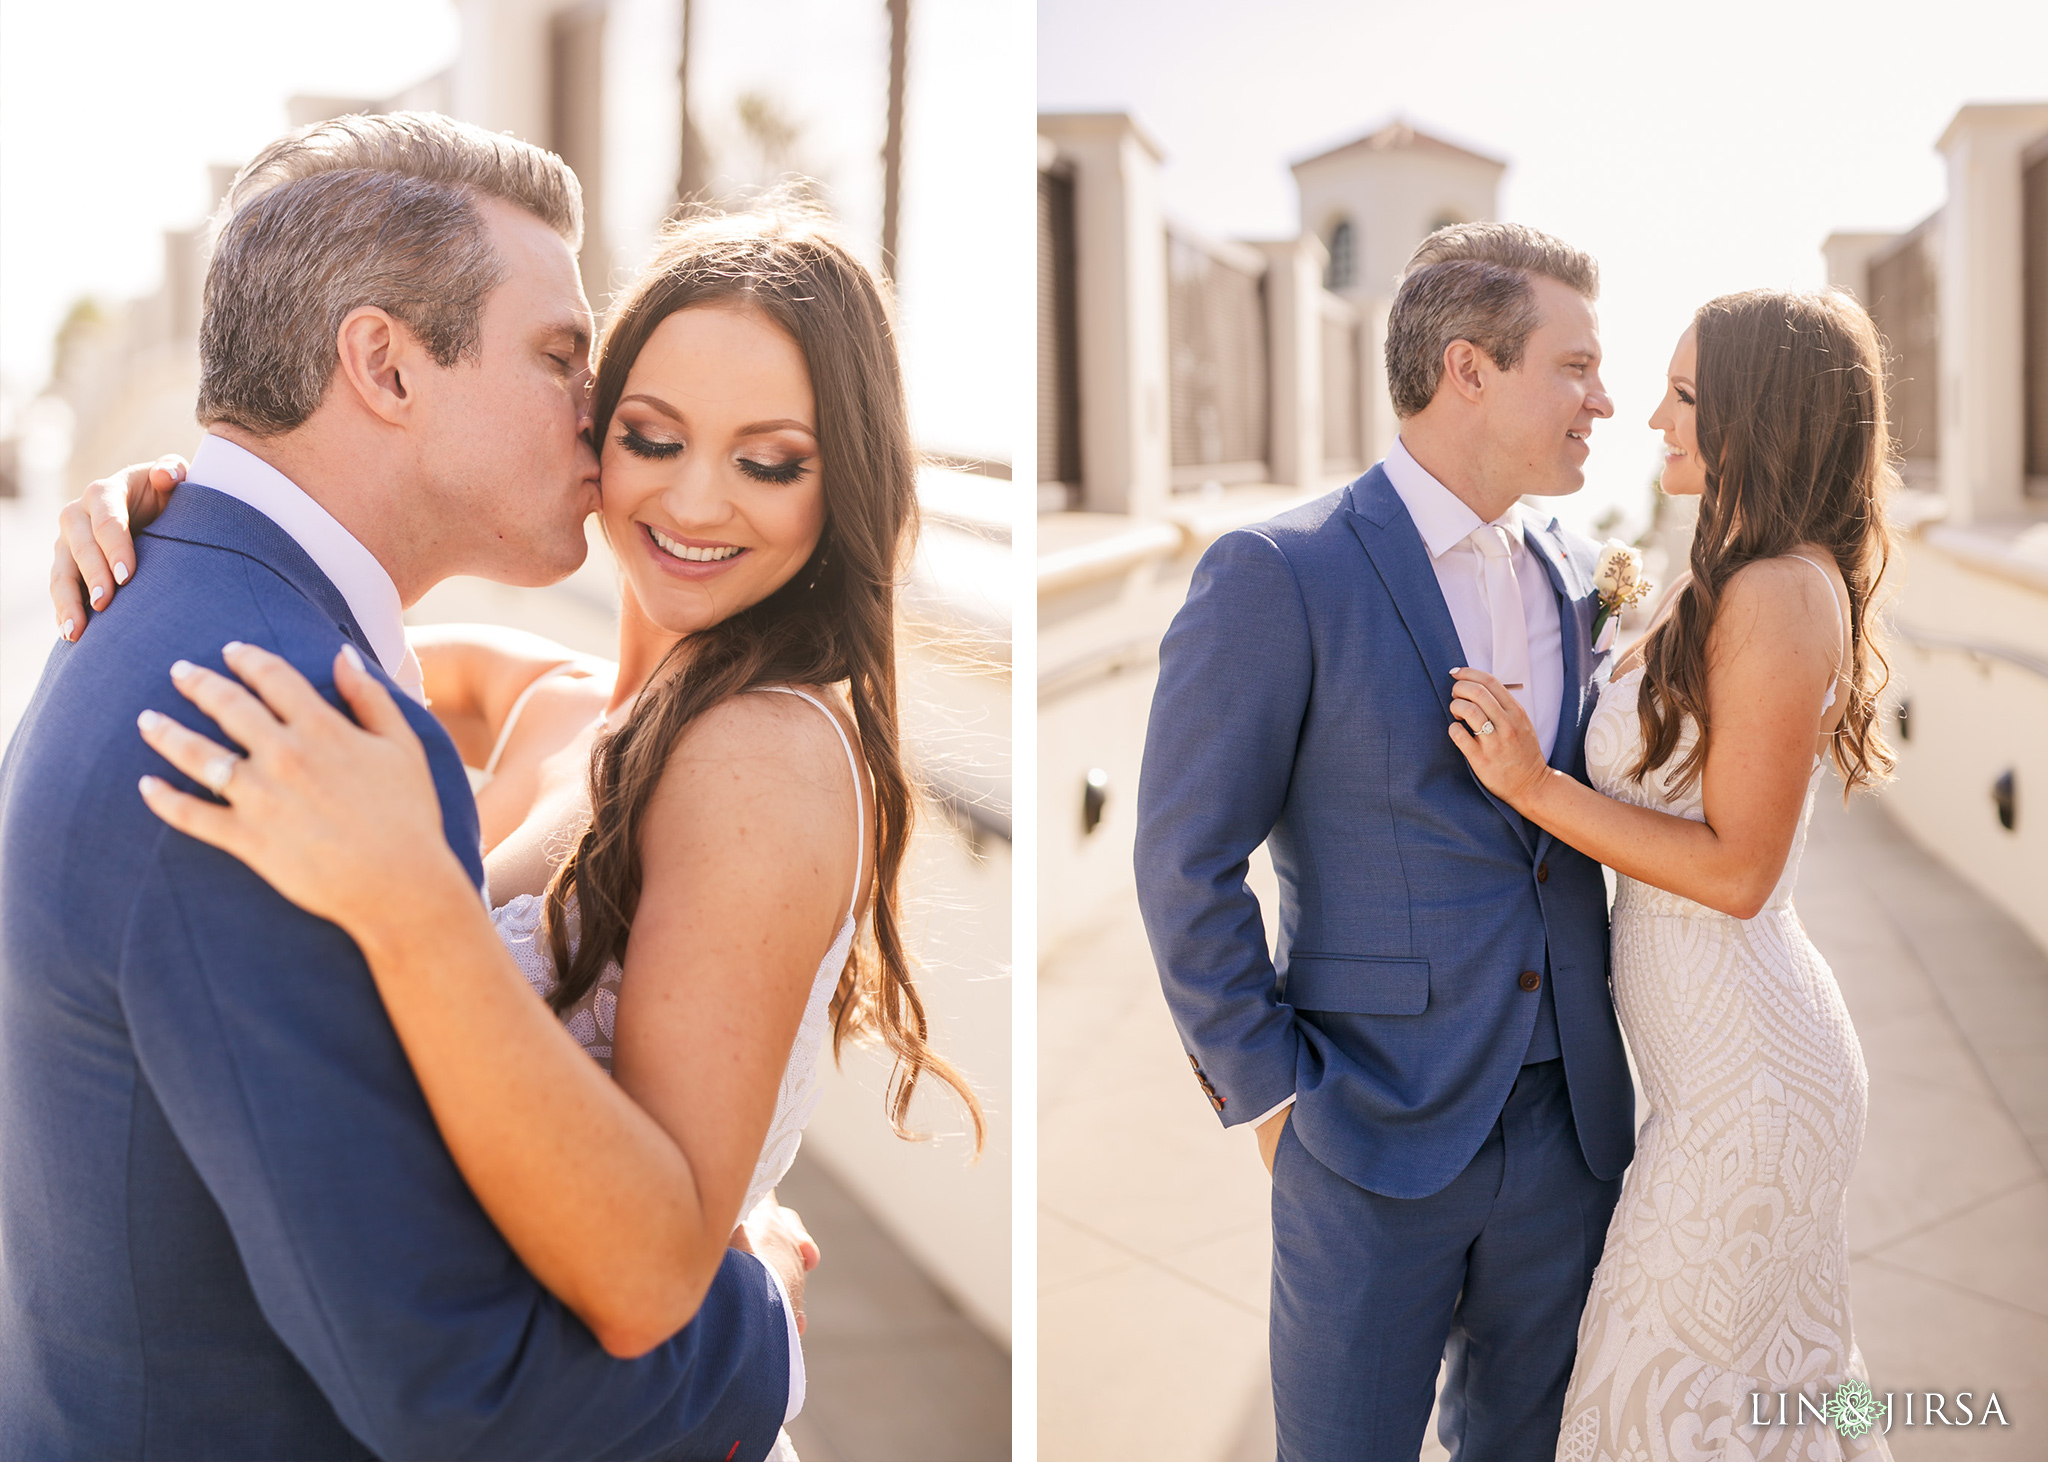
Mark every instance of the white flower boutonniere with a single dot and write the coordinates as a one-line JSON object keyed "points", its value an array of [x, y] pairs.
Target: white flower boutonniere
{"points": [[1619, 582]]}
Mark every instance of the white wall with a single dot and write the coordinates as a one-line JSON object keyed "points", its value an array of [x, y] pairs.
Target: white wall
{"points": [[1974, 715], [1982, 351], [1393, 199]]}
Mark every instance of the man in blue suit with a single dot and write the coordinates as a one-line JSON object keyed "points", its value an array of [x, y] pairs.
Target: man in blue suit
{"points": [[1430, 1054], [229, 1226]]}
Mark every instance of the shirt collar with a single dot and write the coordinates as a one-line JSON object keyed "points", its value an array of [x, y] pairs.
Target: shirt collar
{"points": [[1440, 515], [353, 570]]}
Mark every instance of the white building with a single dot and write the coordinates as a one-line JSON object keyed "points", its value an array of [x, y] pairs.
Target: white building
{"points": [[1962, 300], [1188, 386]]}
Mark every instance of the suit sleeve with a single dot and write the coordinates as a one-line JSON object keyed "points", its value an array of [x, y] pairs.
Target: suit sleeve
{"points": [[1235, 671], [260, 1033]]}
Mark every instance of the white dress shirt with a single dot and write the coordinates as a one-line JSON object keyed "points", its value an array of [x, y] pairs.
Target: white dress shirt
{"points": [[353, 570], [373, 599], [1446, 526]]}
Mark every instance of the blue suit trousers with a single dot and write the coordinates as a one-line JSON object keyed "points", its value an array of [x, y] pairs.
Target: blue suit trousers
{"points": [[1489, 1274]]}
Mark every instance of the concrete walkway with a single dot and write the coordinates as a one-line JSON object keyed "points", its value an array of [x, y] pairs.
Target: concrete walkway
{"points": [[896, 1373], [1153, 1224]]}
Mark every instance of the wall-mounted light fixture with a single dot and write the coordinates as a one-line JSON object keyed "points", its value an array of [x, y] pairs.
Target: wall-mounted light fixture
{"points": [[1094, 794], [1905, 715], [2005, 797]]}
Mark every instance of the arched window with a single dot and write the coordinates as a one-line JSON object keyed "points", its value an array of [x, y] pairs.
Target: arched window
{"points": [[1343, 270]]}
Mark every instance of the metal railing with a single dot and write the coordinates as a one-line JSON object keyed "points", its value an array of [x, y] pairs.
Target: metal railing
{"points": [[1217, 367], [1343, 427], [1905, 304]]}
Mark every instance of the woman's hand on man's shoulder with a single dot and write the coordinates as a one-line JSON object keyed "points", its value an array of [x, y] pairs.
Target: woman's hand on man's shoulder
{"points": [[95, 552]]}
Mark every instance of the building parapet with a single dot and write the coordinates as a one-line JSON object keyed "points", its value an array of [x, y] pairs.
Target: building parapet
{"points": [[2017, 552]]}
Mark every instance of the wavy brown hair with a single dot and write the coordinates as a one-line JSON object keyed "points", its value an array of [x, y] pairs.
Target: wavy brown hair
{"points": [[1793, 436], [833, 623]]}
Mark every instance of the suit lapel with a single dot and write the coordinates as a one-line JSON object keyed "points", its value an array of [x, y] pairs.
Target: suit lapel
{"points": [[1575, 631], [1380, 521]]}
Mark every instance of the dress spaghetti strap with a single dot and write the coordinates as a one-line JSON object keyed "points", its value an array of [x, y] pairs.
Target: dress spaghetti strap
{"points": [[479, 779], [860, 845], [1836, 599]]}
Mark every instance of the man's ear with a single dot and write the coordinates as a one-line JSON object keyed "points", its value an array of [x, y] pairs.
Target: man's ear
{"points": [[378, 360], [1462, 363]]}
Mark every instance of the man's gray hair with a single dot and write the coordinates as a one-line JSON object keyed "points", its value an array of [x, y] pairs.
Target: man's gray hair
{"points": [[1471, 282], [376, 210]]}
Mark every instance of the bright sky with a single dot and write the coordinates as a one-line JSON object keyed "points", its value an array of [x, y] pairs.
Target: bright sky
{"points": [[1693, 149], [110, 111]]}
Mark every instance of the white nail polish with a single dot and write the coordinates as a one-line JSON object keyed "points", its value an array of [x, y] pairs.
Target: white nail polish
{"points": [[348, 653], [230, 647], [69, 626], [149, 720], [97, 591], [120, 573], [181, 668]]}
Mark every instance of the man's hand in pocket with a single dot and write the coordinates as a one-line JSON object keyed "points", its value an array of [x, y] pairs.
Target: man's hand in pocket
{"points": [[1269, 1134]]}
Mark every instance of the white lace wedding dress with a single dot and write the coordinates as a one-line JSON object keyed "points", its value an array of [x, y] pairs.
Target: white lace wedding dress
{"points": [[1726, 1268], [590, 1019]]}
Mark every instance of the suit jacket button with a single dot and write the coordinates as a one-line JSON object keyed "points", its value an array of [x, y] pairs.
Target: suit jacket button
{"points": [[1543, 872], [1531, 980]]}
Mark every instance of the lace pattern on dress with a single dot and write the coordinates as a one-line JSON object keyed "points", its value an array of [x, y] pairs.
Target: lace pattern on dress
{"points": [[1726, 1267]]}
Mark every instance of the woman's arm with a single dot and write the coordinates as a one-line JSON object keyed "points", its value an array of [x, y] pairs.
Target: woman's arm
{"points": [[1771, 656], [474, 672], [620, 1197], [95, 549]]}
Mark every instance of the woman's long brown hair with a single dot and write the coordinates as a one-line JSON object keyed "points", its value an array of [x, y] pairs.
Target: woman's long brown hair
{"points": [[1793, 436], [833, 623]]}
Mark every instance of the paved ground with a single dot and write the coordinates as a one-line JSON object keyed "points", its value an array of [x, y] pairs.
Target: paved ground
{"points": [[1153, 1223], [896, 1372]]}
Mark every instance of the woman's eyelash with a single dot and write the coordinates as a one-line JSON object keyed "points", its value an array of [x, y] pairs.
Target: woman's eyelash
{"points": [[779, 472], [640, 446], [1685, 398], [783, 472]]}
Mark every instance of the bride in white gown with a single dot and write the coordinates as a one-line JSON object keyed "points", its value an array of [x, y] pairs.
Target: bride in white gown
{"points": [[1724, 1283]]}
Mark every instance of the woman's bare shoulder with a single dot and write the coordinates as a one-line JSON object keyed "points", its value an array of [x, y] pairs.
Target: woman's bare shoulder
{"points": [[767, 729], [1777, 608]]}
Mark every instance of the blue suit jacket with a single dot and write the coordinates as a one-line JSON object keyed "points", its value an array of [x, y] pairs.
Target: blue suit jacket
{"points": [[230, 1227], [1303, 701]]}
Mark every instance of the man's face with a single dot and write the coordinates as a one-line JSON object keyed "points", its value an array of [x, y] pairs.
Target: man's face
{"points": [[1540, 415], [504, 447]]}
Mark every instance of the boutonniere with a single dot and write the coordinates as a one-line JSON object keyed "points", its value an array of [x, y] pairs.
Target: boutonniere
{"points": [[1618, 581]]}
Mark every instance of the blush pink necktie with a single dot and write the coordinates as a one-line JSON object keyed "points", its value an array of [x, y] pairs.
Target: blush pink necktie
{"points": [[412, 679], [1504, 607]]}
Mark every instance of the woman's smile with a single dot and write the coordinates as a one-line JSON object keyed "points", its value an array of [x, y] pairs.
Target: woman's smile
{"points": [[691, 558]]}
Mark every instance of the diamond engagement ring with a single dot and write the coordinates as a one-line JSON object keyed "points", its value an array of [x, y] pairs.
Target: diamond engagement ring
{"points": [[217, 773], [1485, 729]]}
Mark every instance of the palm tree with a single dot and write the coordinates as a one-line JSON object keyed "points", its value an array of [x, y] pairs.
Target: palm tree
{"points": [[892, 146]]}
